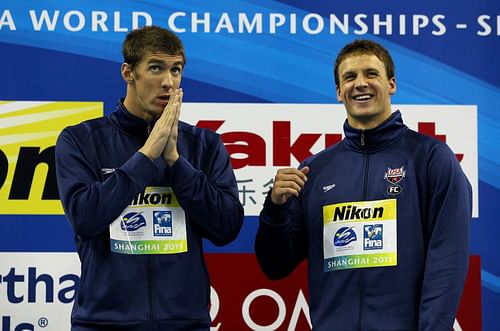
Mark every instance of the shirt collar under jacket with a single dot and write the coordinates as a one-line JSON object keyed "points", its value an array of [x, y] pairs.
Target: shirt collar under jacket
{"points": [[130, 124], [373, 140]]}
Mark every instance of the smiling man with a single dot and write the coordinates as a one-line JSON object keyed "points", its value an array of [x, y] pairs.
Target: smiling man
{"points": [[364, 85], [141, 189], [382, 217]]}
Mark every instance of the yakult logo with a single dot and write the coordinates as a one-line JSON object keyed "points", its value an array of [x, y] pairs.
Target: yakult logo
{"points": [[283, 148]]}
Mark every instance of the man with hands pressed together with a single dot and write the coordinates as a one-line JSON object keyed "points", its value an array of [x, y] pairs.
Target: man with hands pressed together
{"points": [[141, 189], [382, 217]]}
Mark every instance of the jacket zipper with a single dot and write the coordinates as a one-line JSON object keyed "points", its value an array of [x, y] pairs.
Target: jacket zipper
{"points": [[149, 128], [150, 273], [362, 276], [150, 296]]}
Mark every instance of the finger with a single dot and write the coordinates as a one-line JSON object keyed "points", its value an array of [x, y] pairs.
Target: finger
{"points": [[292, 184], [295, 183], [173, 122], [305, 171], [181, 95], [174, 97], [170, 102], [166, 111], [293, 171], [288, 179], [179, 104], [281, 195], [173, 115]]}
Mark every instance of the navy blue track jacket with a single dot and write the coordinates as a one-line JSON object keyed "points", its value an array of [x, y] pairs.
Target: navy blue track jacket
{"points": [[433, 220], [99, 172]]}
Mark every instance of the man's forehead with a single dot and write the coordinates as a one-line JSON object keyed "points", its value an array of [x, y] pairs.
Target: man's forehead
{"points": [[361, 61], [163, 57]]}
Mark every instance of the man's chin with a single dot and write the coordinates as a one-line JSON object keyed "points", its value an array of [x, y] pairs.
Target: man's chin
{"points": [[154, 112], [362, 112]]}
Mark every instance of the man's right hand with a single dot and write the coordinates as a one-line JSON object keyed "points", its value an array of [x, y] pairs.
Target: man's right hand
{"points": [[288, 182]]}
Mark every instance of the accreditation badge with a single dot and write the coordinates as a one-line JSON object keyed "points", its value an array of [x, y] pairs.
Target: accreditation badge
{"points": [[360, 234], [153, 223]]}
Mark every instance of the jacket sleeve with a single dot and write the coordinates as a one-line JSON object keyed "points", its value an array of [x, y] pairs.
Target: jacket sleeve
{"points": [[210, 200], [91, 205], [280, 244], [449, 217]]}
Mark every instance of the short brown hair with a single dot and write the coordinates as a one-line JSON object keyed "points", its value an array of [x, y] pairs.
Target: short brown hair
{"points": [[150, 39], [364, 47]]}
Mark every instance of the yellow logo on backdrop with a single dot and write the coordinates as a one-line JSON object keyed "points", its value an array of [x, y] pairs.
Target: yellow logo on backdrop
{"points": [[28, 134]]}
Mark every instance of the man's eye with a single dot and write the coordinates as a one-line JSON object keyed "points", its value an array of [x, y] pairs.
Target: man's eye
{"points": [[176, 70], [155, 68], [372, 74]]}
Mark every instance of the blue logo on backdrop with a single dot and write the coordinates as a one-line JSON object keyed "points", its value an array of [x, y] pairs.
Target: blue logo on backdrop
{"points": [[372, 237], [344, 236], [132, 222], [162, 223]]}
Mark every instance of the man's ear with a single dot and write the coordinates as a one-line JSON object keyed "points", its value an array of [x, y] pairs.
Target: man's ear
{"points": [[392, 86], [127, 73], [339, 95]]}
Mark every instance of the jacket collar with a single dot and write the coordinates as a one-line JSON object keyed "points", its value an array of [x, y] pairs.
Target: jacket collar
{"points": [[372, 140], [130, 124]]}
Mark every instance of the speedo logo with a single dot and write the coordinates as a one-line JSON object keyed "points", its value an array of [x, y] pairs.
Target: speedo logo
{"points": [[27, 152], [360, 211]]}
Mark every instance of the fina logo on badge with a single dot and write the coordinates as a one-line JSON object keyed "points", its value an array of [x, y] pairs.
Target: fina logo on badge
{"points": [[162, 223], [372, 237]]}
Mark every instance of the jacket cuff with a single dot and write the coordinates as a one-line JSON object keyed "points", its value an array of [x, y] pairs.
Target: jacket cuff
{"points": [[273, 214]]}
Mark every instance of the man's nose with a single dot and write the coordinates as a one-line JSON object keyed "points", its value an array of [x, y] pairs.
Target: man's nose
{"points": [[360, 82], [167, 81]]}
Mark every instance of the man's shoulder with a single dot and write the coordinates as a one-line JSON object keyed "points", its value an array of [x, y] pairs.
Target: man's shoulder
{"points": [[425, 140], [87, 127], [203, 134], [326, 154], [428, 147]]}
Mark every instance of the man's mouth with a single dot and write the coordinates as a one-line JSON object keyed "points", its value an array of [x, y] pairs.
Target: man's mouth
{"points": [[164, 97], [362, 97]]}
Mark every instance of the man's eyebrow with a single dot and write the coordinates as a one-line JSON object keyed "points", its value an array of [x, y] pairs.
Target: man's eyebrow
{"points": [[347, 73], [157, 60], [353, 72]]}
